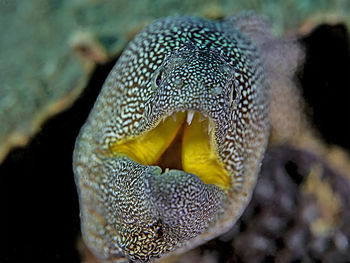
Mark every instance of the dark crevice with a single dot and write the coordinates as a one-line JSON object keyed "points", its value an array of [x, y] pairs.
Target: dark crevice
{"points": [[269, 259], [292, 170], [325, 80], [279, 242], [37, 184]]}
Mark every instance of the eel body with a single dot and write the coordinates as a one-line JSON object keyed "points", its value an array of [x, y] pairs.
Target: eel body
{"points": [[170, 153]]}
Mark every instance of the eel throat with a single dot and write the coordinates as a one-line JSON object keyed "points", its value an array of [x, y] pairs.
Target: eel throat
{"points": [[181, 141]]}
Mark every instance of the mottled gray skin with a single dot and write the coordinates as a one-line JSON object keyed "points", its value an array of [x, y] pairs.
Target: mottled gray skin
{"points": [[132, 210]]}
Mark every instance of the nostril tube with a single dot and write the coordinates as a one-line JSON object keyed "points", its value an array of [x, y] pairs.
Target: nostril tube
{"points": [[217, 91], [178, 83], [226, 69]]}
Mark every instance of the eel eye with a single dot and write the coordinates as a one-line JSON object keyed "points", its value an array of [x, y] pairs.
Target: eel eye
{"points": [[233, 94], [158, 77]]}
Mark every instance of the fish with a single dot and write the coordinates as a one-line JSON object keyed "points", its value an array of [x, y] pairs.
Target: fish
{"points": [[170, 153]]}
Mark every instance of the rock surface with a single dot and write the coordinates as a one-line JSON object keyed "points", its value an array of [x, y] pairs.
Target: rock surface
{"points": [[49, 48]]}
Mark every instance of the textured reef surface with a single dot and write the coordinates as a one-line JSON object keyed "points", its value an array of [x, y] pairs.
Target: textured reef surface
{"points": [[49, 48]]}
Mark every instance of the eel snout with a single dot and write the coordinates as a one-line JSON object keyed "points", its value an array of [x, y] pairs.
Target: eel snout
{"points": [[196, 80]]}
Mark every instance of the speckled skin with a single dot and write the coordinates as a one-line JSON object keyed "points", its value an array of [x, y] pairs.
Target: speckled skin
{"points": [[174, 64]]}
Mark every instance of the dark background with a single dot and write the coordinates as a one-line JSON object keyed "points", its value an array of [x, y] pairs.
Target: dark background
{"points": [[38, 196]]}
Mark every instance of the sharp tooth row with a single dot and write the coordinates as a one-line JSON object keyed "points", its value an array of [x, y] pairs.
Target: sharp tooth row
{"points": [[190, 115]]}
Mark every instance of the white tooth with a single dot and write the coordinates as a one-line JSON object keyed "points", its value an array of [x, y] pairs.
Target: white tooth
{"points": [[163, 119], [209, 129], [190, 115], [174, 117]]}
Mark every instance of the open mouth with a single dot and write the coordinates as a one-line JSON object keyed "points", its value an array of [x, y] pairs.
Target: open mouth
{"points": [[183, 141]]}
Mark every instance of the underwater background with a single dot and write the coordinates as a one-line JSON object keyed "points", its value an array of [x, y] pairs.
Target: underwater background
{"points": [[54, 58]]}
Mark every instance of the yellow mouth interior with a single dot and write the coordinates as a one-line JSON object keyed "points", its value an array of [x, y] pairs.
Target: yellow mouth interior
{"points": [[175, 144]]}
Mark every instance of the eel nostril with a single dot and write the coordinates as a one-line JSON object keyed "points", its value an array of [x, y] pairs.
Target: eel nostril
{"points": [[226, 69], [178, 82], [217, 91]]}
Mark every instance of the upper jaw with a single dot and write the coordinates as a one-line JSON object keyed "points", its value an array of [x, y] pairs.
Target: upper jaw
{"points": [[189, 115], [216, 120]]}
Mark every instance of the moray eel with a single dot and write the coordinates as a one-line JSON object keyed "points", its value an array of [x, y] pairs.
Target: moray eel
{"points": [[170, 153]]}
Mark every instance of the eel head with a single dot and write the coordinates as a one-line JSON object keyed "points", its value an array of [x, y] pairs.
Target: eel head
{"points": [[170, 153]]}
